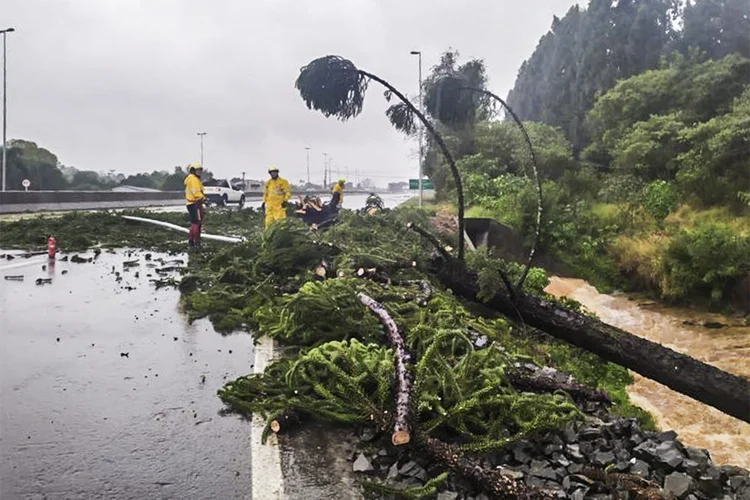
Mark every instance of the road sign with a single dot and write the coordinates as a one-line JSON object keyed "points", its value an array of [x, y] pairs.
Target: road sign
{"points": [[426, 184], [26, 183]]}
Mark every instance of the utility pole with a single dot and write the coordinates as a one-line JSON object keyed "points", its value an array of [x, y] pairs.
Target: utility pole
{"points": [[419, 53], [201, 134], [5, 104], [308, 164], [325, 170]]}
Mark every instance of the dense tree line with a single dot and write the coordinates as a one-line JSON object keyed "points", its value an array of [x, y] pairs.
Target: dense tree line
{"points": [[642, 139], [587, 51], [26, 160]]}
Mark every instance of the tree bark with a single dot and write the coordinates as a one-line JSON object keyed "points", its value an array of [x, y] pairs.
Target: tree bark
{"points": [[489, 481], [402, 361], [705, 383], [541, 383]]}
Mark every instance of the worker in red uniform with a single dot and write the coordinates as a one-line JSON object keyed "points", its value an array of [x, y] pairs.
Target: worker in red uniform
{"points": [[194, 198]]}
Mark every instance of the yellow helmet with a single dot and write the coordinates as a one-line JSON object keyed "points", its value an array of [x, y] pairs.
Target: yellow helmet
{"points": [[195, 166], [273, 168], [342, 181]]}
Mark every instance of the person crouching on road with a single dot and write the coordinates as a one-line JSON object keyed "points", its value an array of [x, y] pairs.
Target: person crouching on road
{"points": [[338, 194], [276, 194], [194, 198]]}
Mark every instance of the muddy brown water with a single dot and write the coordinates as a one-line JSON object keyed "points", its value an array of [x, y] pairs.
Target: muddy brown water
{"points": [[79, 420], [728, 348]]}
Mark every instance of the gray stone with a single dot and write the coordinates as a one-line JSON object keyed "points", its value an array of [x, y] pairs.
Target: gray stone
{"points": [[692, 467], [393, 472], [573, 451], [541, 468], [513, 474], [603, 458], [418, 473], [589, 433], [407, 468], [367, 434], [540, 482], [579, 494], [586, 448], [575, 468], [668, 454], [551, 449], [560, 459], [362, 464], [447, 495], [520, 453], [698, 455], [667, 436], [710, 482], [569, 433], [737, 482], [622, 466], [678, 484], [732, 470], [639, 467]]}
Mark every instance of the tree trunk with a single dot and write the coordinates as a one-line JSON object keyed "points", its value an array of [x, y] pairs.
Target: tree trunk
{"points": [[489, 481], [708, 384], [541, 383], [403, 374]]}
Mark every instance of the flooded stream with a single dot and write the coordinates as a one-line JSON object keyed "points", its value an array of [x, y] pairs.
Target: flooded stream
{"points": [[728, 348]]}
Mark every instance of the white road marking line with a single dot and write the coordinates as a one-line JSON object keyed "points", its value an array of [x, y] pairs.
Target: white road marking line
{"points": [[265, 459]]}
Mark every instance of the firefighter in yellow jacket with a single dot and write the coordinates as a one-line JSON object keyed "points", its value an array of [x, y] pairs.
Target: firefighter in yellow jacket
{"points": [[276, 193], [338, 194], [194, 199]]}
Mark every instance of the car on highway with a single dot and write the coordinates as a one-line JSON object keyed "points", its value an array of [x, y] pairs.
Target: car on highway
{"points": [[220, 192]]}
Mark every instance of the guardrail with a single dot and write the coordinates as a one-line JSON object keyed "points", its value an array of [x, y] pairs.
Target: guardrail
{"points": [[37, 201]]}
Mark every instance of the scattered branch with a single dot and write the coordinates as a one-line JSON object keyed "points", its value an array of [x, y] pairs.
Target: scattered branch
{"points": [[402, 362]]}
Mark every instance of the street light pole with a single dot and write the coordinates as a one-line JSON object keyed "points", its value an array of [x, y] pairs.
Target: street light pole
{"points": [[201, 134], [5, 104], [325, 170], [419, 53], [307, 149]]}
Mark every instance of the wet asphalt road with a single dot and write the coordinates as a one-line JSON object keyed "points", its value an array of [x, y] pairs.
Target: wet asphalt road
{"points": [[80, 421]]}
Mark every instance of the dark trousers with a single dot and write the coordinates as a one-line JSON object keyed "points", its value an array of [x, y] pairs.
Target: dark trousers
{"points": [[196, 219]]}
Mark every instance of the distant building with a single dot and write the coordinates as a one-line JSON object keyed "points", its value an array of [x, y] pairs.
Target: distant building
{"points": [[396, 187]]}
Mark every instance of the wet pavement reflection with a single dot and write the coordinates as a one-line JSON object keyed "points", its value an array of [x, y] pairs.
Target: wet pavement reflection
{"points": [[106, 391]]}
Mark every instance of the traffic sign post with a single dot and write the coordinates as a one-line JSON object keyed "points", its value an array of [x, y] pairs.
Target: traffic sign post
{"points": [[26, 183], [426, 184]]}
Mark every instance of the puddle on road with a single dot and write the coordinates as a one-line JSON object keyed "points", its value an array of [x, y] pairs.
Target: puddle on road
{"points": [[102, 392]]}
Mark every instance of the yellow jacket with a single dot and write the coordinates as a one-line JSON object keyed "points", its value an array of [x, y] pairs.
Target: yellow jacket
{"points": [[338, 188], [193, 189], [275, 192]]}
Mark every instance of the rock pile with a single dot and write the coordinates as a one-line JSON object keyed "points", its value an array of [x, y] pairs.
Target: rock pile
{"points": [[572, 464]]}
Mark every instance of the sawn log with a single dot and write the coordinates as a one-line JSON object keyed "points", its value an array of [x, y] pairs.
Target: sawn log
{"points": [[724, 391]]}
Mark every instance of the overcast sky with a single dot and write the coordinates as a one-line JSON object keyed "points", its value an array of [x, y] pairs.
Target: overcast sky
{"points": [[127, 84]]}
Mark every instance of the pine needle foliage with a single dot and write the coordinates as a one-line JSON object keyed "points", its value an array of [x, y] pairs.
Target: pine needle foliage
{"points": [[334, 86]]}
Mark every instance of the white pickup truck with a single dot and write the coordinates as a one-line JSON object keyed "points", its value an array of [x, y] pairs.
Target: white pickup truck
{"points": [[220, 192]]}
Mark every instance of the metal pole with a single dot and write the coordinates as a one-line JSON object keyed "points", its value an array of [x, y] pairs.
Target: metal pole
{"points": [[325, 170], [308, 165], [421, 128], [201, 134], [5, 106]]}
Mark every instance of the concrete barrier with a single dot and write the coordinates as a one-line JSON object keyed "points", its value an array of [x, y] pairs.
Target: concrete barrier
{"points": [[37, 201]]}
